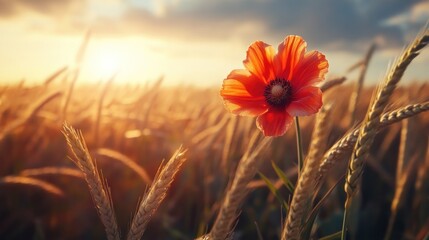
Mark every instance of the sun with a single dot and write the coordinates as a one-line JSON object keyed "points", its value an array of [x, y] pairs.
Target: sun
{"points": [[106, 64]]}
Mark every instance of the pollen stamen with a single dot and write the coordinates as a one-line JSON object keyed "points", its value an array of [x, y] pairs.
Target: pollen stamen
{"points": [[277, 93]]}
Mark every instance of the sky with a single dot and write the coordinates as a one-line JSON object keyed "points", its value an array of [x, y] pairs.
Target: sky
{"points": [[198, 41]]}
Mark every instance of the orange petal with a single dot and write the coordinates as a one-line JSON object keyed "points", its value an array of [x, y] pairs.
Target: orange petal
{"points": [[243, 94], [274, 123], [306, 101], [310, 70], [290, 53], [259, 60], [254, 85]]}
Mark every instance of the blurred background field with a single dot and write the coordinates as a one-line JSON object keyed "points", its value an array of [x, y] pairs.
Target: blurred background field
{"points": [[146, 123]]}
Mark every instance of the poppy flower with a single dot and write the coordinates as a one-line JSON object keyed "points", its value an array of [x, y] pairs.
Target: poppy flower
{"points": [[275, 86]]}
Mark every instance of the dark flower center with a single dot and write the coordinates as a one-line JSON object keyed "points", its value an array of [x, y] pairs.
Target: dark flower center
{"points": [[278, 93]]}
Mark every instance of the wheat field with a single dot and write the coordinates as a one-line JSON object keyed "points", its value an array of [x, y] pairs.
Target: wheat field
{"points": [[116, 161]]}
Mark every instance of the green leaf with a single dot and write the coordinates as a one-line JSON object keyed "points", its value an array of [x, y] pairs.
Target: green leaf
{"points": [[288, 184], [306, 231], [273, 190], [333, 236]]}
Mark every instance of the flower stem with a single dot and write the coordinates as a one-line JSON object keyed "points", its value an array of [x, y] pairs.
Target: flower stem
{"points": [[299, 146]]}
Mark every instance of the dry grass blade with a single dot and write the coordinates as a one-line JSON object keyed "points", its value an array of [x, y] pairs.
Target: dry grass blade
{"points": [[32, 182], [408, 158], [355, 66], [206, 133], [126, 161], [54, 75], [230, 130], [51, 171], [75, 74], [82, 48], [332, 83], [346, 143], [354, 98], [149, 103], [236, 193], [302, 196], [372, 121], [100, 108], [30, 113], [97, 186], [156, 194]]}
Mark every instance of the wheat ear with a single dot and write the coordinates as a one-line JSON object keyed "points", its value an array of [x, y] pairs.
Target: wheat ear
{"points": [[236, 194], [156, 194], [302, 196], [97, 185], [347, 142], [370, 125]]}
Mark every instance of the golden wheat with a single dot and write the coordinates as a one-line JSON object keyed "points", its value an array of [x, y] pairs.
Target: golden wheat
{"points": [[156, 194], [302, 196], [235, 195], [98, 187], [347, 142]]}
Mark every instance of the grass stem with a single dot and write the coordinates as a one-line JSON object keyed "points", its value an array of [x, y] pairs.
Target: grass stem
{"points": [[344, 227], [299, 146]]}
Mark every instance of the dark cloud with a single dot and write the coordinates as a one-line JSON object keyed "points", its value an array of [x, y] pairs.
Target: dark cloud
{"points": [[336, 24], [352, 24]]}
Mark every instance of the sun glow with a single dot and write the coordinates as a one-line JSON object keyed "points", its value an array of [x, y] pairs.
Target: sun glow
{"points": [[105, 64], [108, 65], [128, 59]]}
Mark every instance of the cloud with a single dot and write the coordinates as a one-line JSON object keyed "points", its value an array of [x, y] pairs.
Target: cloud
{"points": [[53, 8], [331, 24]]}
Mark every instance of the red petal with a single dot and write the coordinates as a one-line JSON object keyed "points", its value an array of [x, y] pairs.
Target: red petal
{"points": [[290, 52], [306, 101], [310, 70], [274, 123], [259, 60], [243, 94]]}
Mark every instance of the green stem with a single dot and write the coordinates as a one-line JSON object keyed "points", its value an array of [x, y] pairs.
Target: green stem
{"points": [[344, 228], [299, 146]]}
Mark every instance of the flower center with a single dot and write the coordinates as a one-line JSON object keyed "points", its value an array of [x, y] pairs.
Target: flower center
{"points": [[278, 93]]}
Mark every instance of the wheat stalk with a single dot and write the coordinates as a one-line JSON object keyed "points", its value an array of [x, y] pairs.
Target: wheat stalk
{"points": [[236, 194], [30, 113], [33, 182], [372, 121], [332, 83], [347, 142], [156, 194], [54, 75], [75, 74], [126, 161], [302, 196], [97, 186], [404, 167], [354, 98], [100, 109], [51, 171]]}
